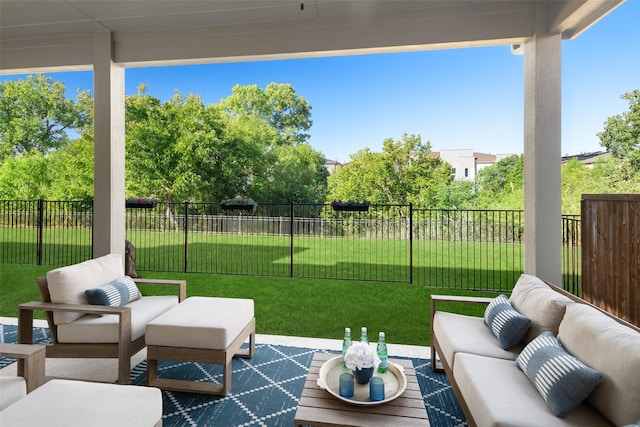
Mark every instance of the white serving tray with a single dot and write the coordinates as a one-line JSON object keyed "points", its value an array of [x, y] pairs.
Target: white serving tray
{"points": [[395, 382]]}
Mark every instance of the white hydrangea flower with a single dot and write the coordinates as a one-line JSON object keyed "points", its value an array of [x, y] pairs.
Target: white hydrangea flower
{"points": [[361, 355]]}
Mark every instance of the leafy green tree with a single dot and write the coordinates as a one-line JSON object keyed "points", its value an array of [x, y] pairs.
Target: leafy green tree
{"points": [[252, 143], [621, 137], [506, 174], [277, 105], [501, 185], [27, 177], [458, 194], [298, 175], [184, 150], [600, 178], [284, 167], [72, 168], [171, 147], [404, 172], [244, 160], [36, 116]]}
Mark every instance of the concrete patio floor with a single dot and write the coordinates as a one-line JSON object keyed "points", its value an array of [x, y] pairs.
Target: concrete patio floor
{"points": [[105, 370]]}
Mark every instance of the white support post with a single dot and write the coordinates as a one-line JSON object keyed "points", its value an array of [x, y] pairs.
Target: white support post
{"points": [[542, 152], [109, 149]]}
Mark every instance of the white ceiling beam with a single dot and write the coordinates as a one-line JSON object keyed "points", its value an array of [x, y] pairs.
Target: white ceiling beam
{"points": [[572, 18], [57, 35]]}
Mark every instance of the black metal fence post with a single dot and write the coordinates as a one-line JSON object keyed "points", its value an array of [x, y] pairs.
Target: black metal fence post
{"points": [[291, 248], [40, 227], [410, 242], [186, 236], [92, 236]]}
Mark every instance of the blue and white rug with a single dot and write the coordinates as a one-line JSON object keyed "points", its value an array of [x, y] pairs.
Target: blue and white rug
{"points": [[9, 334], [265, 389]]}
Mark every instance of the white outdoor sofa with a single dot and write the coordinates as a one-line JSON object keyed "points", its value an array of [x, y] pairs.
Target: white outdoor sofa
{"points": [[494, 391]]}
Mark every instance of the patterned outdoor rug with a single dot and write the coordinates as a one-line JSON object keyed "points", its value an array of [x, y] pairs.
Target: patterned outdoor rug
{"points": [[265, 389], [9, 334]]}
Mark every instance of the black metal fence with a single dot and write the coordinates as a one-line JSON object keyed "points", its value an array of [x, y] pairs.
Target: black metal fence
{"points": [[461, 249], [571, 254]]}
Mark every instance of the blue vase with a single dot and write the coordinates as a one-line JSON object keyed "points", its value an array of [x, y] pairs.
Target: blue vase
{"points": [[363, 375]]}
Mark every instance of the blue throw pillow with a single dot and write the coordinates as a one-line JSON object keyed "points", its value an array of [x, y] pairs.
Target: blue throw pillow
{"points": [[115, 294], [506, 323], [562, 380]]}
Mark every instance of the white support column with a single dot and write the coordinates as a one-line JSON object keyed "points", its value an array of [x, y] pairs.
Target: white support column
{"points": [[542, 152], [109, 149]]}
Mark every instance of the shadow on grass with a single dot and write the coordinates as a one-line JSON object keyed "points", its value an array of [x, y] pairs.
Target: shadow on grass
{"points": [[281, 260]]}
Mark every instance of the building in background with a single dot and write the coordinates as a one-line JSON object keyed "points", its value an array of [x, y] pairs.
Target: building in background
{"points": [[466, 163], [332, 165], [587, 159]]}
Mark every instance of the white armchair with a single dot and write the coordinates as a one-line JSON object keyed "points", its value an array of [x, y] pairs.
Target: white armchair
{"points": [[79, 329]]}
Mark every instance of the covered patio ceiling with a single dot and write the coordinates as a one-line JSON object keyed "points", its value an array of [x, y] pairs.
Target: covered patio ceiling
{"points": [[58, 34], [107, 36]]}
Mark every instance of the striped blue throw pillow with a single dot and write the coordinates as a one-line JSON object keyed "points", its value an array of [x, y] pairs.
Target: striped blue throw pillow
{"points": [[562, 380], [115, 294], [505, 322]]}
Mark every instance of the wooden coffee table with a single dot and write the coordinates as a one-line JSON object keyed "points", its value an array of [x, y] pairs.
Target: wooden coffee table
{"points": [[319, 408]]}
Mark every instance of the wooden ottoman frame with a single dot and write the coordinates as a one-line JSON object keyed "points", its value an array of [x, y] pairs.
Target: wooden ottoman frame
{"points": [[218, 357]]}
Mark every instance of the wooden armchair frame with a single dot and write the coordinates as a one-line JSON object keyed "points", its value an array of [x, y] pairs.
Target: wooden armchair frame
{"points": [[123, 350], [436, 349], [31, 361]]}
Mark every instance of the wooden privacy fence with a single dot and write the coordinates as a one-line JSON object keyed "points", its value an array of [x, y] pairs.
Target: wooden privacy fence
{"points": [[611, 253], [461, 249]]}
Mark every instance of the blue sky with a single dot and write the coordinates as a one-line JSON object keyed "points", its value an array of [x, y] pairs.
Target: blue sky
{"points": [[458, 98]]}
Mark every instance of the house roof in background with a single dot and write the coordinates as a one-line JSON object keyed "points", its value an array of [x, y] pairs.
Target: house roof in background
{"points": [[484, 157], [586, 158]]}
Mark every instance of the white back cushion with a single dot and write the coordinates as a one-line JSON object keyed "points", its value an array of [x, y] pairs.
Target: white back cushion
{"points": [[611, 348], [544, 306], [67, 284]]}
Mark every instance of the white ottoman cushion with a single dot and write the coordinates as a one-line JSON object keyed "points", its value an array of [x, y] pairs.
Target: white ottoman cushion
{"points": [[12, 389], [201, 322], [68, 403]]}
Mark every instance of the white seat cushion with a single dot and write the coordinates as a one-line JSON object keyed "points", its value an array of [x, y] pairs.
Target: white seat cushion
{"points": [[68, 403], [12, 389], [104, 329], [201, 322], [500, 395], [469, 334], [67, 284]]}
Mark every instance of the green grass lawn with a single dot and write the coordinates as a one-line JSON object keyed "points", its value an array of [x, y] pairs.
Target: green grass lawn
{"points": [[316, 308]]}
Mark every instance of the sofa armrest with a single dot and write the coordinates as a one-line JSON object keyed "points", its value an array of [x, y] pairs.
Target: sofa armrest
{"points": [[72, 308], [181, 284], [31, 362], [435, 299], [25, 317]]}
